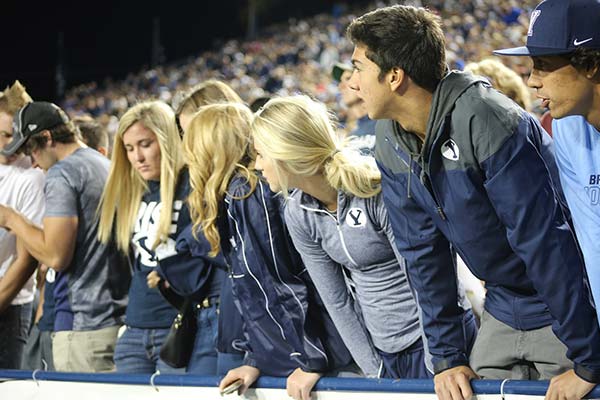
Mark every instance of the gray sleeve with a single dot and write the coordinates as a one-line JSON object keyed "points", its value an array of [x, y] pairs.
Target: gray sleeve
{"points": [[61, 197], [330, 283]]}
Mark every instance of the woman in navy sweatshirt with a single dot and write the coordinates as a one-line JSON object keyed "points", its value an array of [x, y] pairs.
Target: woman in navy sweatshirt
{"points": [[143, 204]]}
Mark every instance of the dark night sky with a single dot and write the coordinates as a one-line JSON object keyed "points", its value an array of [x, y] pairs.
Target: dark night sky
{"points": [[112, 38]]}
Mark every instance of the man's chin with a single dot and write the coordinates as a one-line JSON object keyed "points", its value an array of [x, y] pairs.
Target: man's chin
{"points": [[7, 160]]}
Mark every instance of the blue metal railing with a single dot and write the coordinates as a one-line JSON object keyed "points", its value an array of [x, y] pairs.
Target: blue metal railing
{"points": [[532, 388]]}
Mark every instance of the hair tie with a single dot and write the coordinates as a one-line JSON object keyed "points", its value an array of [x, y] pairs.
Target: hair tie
{"points": [[333, 153]]}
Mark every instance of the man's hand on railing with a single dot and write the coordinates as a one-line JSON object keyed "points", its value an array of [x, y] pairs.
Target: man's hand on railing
{"points": [[454, 383], [568, 386]]}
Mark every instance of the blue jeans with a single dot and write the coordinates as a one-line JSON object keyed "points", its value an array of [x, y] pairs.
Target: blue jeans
{"points": [[137, 352], [138, 349], [204, 358], [14, 330]]}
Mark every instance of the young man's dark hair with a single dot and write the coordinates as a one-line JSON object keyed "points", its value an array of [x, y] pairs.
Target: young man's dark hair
{"points": [[63, 133], [92, 133], [406, 37], [585, 59]]}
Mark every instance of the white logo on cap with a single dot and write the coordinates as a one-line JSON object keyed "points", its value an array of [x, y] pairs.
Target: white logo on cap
{"points": [[534, 16], [577, 43], [450, 150], [31, 127]]}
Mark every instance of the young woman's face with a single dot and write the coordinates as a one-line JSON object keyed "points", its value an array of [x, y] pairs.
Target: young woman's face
{"points": [[143, 151], [267, 168]]}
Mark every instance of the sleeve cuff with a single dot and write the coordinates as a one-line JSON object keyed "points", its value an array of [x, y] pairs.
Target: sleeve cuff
{"points": [[442, 364], [588, 375], [249, 361]]}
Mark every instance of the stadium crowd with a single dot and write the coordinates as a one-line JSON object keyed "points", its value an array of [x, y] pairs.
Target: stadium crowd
{"points": [[242, 212]]}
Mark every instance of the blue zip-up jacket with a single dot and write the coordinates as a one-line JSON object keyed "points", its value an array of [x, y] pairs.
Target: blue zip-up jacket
{"points": [[285, 323], [484, 183]]}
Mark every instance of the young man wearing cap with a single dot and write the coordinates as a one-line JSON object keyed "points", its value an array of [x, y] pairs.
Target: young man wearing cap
{"points": [[356, 111], [92, 280], [465, 169], [564, 42], [22, 189]]}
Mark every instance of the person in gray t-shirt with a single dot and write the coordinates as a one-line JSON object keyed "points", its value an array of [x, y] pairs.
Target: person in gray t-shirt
{"points": [[92, 278]]}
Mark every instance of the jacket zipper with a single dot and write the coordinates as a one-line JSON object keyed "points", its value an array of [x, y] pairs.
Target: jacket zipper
{"points": [[339, 229], [424, 182]]}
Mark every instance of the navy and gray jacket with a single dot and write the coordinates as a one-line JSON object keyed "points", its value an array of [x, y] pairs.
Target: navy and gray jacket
{"points": [[485, 183], [285, 323]]}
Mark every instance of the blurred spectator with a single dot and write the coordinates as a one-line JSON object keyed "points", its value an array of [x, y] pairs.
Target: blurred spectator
{"points": [[358, 122], [504, 79], [209, 92], [93, 134]]}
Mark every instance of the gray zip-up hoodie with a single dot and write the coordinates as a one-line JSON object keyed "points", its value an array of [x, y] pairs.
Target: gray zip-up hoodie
{"points": [[375, 307]]}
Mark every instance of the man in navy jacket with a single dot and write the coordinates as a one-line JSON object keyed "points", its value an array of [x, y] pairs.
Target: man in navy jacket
{"points": [[465, 169]]}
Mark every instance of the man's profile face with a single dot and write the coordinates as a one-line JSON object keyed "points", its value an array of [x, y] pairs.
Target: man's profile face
{"points": [[561, 87], [366, 83], [5, 135]]}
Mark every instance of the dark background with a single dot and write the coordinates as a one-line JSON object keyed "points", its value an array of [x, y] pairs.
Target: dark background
{"points": [[112, 38]]}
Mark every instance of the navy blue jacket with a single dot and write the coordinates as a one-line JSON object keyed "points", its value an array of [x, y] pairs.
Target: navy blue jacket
{"points": [[485, 183], [286, 326]]}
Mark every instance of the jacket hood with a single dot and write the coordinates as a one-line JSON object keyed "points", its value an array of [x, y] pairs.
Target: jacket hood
{"points": [[444, 97]]}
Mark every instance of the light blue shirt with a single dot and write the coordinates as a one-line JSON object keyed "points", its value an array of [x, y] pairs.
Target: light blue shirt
{"points": [[577, 147]]}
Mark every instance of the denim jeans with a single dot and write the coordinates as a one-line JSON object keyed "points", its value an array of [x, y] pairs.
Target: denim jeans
{"points": [[137, 352], [14, 328], [138, 349], [204, 358]]}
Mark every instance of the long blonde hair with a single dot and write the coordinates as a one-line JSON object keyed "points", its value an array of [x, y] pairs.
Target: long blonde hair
{"points": [[216, 146], [125, 187], [297, 134], [208, 92]]}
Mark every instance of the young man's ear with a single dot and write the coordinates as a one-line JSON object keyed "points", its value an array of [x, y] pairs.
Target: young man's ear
{"points": [[593, 74], [396, 78], [103, 150], [49, 142]]}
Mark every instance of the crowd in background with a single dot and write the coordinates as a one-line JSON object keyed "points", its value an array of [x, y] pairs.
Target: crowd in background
{"points": [[247, 192], [296, 57]]}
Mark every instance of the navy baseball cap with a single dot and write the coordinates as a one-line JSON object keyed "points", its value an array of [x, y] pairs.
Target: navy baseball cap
{"points": [[33, 118], [560, 27]]}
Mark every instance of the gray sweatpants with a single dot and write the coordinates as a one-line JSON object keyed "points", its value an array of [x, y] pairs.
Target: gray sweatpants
{"points": [[38, 350], [501, 352]]}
